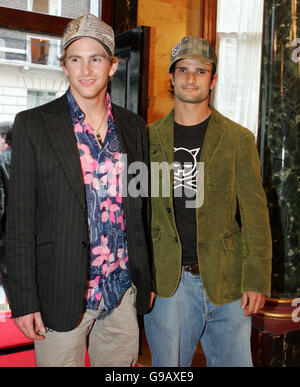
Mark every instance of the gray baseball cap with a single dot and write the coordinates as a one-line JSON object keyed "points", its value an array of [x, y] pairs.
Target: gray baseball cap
{"points": [[191, 47], [90, 26]]}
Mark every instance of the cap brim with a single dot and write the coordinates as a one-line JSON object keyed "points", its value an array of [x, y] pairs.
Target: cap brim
{"points": [[66, 45], [200, 59]]}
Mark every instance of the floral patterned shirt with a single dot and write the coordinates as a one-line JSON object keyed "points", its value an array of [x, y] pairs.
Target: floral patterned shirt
{"points": [[102, 173]]}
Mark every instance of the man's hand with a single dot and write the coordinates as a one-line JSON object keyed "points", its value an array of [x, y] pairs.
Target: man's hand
{"points": [[30, 325], [252, 302], [152, 297]]}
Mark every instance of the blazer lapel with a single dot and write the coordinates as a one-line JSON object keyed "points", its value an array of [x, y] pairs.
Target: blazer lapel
{"points": [[213, 136], [59, 128], [166, 136], [127, 133]]}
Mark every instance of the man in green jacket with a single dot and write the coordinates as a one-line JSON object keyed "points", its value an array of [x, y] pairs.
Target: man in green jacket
{"points": [[211, 233]]}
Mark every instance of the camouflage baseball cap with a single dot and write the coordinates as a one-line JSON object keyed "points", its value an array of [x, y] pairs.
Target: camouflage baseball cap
{"points": [[90, 26], [191, 47]]}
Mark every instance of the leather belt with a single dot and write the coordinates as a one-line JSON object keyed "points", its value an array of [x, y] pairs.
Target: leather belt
{"points": [[193, 269]]}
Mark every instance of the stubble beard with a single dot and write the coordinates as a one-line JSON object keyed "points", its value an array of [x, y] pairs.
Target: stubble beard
{"points": [[196, 98]]}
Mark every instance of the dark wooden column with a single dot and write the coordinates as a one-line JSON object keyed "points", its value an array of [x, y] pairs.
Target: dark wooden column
{"points": [[108, 12]]}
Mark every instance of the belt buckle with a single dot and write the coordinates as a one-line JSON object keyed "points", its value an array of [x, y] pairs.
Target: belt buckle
{"points": [[193, 269]]}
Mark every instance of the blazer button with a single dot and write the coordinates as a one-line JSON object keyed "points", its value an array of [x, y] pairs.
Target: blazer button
{"points": [[154, 152], [169, 209], [176, 239]]}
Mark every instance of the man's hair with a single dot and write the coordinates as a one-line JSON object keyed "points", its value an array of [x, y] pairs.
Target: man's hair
{"points": [[6, 131], [112, 59], [172, 71]]}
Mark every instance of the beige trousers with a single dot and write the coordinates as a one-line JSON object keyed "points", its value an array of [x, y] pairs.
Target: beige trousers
{"points": [[111, 342]]}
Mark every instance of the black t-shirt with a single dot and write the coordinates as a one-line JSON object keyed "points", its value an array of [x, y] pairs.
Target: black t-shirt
{"points": [[188, 141]]}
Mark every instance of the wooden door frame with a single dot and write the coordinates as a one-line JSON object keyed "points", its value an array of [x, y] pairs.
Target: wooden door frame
{"points": [[208, 20]]}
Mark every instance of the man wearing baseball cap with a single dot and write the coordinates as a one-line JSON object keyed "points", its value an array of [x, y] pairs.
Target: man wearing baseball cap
{"points": [[78, 260], [213, 267]]}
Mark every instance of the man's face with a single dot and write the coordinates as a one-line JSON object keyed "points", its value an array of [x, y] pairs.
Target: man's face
{"points": [[192, 81], [88, 68]]}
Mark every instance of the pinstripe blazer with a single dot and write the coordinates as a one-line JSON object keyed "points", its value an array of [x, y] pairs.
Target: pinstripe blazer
{"points": [[47, 229]]}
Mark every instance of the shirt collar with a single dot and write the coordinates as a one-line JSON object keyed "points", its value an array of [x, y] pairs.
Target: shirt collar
{"points": [[77, 115]]}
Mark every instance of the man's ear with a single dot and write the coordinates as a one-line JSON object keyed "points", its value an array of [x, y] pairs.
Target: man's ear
{"points": [[213, 81], [113, 68], [64, 69], [171, 75]]}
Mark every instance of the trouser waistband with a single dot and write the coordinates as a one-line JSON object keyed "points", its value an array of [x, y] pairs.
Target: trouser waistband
{"points": [[193, 269]]}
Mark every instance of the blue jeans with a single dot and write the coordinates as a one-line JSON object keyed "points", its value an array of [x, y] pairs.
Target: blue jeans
{"points": [[175, 325]]}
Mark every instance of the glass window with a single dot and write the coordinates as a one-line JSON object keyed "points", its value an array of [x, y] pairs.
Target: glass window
{"points": [[38, 97], [28, 62], [51, 7], [43, 50], [239, 43]]}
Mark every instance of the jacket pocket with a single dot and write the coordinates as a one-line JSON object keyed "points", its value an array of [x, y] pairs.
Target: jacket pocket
{"points": [[231, 240], [231, 265], [155, 234]]}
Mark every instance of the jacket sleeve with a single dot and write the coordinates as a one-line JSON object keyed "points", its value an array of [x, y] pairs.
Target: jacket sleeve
{"points": [[2, 200], [20, 227], [256, 233]]}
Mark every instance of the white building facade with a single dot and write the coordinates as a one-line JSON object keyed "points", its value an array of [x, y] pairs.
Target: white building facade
{"points": [[30, 72]]}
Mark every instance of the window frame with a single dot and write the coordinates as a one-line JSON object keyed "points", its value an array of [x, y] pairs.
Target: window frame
{"points": [[50, 39]]}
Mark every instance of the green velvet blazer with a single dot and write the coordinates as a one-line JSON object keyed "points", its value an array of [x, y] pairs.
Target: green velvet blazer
{"points": [[232, 258]]}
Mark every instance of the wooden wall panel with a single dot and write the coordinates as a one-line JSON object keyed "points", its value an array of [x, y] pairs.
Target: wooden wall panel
{"points": [[170, 21]]}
